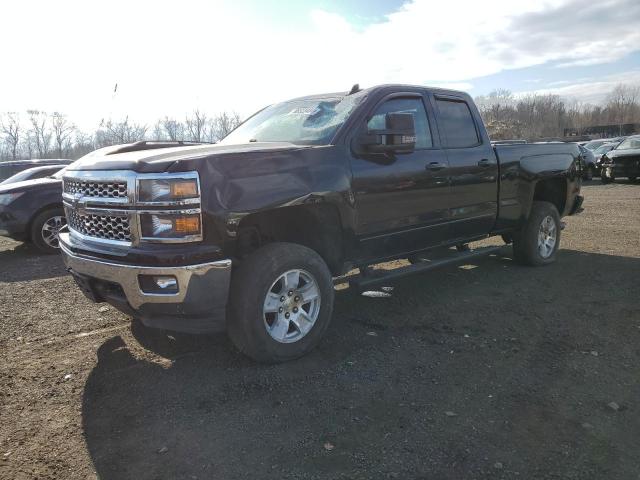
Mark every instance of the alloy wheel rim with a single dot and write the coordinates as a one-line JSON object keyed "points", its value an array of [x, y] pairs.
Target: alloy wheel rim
{"points": [[51, 229], [547, 236], [291, 306]]}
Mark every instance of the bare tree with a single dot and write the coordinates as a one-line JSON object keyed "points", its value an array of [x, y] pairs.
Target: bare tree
{"points": [[622, 104], [196, 126], [158, 131], [222, 124], [10, 128], [41, 134], [62, 131], [172, 128], [113, 133], [81, 145]]}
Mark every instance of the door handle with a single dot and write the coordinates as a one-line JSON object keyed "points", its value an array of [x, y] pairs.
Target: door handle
{"points": [[436, 166], [484, 163]]}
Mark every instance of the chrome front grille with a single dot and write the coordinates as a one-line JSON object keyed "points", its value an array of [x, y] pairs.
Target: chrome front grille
{"points": [[106, 227], [96, 189], [103, 206]]}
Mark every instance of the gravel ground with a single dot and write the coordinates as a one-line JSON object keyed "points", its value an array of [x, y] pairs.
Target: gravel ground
{"points": [[488, 370]]}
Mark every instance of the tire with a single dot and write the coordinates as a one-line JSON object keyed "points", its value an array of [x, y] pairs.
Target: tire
{"points": [[259, 334], [605, 179], [44, 230], [588, 174], [528, 247]]}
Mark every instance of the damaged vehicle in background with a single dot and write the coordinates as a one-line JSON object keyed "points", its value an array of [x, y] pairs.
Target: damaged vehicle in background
{"points": [[246, 235], [593, 144], [589, 167], [601, 151], [622, 161]]}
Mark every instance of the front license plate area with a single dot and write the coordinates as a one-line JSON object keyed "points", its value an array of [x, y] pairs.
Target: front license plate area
{"points": [[85, 285]]}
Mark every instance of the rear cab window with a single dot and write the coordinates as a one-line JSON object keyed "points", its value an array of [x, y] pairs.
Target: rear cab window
{"points": [[457, 124]]}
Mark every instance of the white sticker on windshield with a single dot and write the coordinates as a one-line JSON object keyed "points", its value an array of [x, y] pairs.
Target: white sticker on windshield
{"points": [[304, 111]]}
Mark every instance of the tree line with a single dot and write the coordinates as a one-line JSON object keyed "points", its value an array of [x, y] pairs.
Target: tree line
{"points": [[534, 116], [38, 134]]}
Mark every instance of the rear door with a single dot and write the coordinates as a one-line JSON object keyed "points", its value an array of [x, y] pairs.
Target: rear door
{"points": [[473, 167], [401, 199]]}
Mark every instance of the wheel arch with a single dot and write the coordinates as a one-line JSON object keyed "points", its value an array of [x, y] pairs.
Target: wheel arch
{"points": [[552, 190], [49, 206], [316, 226]]}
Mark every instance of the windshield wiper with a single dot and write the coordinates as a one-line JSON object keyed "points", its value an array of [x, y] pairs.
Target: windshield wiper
{"points": [[253, 140]]}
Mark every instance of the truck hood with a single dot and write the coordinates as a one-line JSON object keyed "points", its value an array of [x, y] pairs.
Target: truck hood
{"points": [[621, 154], [27, 185], [161, 159]]}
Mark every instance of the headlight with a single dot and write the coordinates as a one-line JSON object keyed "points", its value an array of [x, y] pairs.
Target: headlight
{"points": [[169, 190], [170, 226], [7, 198]]}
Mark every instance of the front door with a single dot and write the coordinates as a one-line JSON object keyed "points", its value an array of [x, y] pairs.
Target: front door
{"points": [[401, 199]]}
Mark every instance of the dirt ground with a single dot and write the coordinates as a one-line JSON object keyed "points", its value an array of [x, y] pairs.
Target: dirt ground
{"points": [[488, 370]]}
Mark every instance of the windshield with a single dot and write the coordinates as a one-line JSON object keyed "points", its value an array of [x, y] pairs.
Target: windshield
{"points": [[630, 143], [302, 122], [604, 149], [594, 144]]}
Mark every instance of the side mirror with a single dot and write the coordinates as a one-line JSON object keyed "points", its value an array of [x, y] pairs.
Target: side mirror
{"points": [[399, 135]]}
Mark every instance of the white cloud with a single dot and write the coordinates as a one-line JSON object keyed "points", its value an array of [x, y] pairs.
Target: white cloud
{"points": [[169, 58], [589, 90]]}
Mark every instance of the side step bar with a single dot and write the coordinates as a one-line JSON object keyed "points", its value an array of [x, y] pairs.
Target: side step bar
{"points": [[363, 281]]}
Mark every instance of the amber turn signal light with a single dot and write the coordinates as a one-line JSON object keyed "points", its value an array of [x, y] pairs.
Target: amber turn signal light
{"points": [[184, 189], [187, 225]]}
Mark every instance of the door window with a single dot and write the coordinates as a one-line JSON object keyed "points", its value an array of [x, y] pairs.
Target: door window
{"points": [[457, 123], [405, 105]]}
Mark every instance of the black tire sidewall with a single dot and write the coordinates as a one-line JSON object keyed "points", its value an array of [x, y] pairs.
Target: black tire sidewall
{"points": [[249, 286], [36, 229], [526, 242]]}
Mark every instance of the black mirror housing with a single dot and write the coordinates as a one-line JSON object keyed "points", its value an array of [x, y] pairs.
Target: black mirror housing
{"points": [[399, 135]]}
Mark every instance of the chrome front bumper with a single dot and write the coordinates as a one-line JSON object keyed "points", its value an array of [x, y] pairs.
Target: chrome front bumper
{"points": [[202, 290]]}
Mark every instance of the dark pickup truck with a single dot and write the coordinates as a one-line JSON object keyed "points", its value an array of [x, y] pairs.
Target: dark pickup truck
{"points": [[246, 235]]}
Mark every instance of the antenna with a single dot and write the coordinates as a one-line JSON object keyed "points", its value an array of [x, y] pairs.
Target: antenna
{"points": [[354, 89]]}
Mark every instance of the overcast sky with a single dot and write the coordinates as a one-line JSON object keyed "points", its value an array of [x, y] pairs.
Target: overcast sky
{"points": [[169, 57]]}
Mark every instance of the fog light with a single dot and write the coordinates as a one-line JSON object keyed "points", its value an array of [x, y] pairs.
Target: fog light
{"points": [[158, 284], [166, 282]]}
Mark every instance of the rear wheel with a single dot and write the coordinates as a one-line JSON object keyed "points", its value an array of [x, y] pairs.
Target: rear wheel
{"points": [[45, 228], [281, 302], [538, 241]]}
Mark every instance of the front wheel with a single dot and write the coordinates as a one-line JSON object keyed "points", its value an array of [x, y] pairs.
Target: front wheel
{"points": [[45, 228], [281, 302], [538, 241]]}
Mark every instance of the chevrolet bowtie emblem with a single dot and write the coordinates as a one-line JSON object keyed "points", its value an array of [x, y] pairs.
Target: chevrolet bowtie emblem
{"points": [[78, 204]]}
